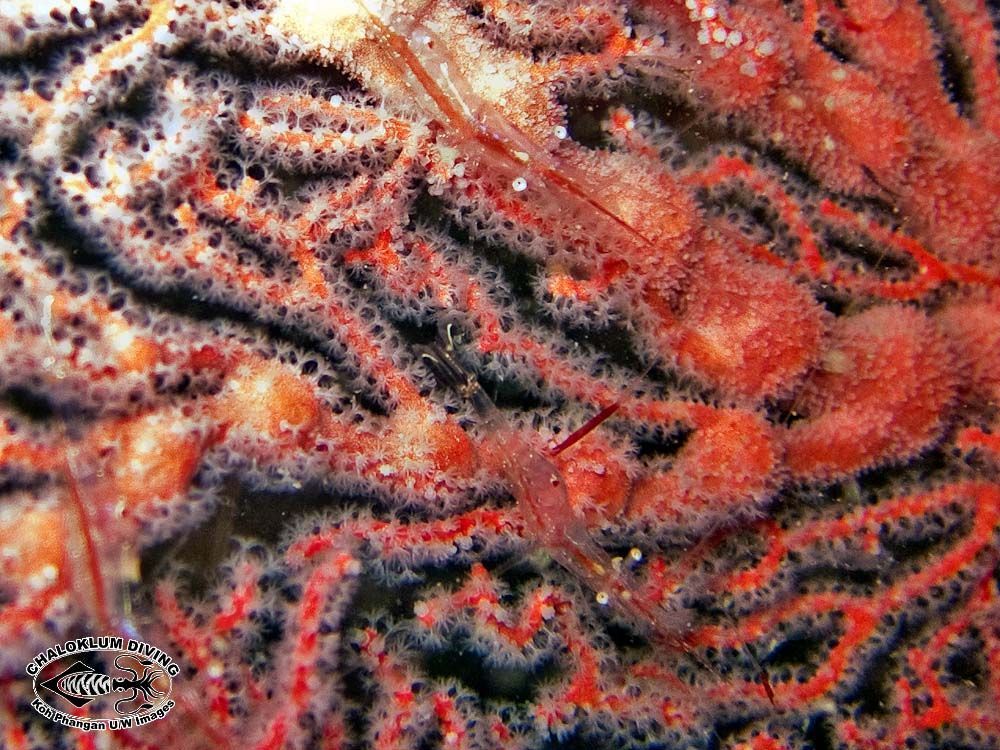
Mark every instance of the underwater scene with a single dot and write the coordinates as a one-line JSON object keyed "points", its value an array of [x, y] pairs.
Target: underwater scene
{"points": [[457, 374]]}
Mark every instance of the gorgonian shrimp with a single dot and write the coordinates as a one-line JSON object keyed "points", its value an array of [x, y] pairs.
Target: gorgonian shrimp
{"points": [[552, 524]]}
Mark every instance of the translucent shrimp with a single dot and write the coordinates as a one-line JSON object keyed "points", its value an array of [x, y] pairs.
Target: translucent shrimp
{"points": [[540, 491], [98, 542]]}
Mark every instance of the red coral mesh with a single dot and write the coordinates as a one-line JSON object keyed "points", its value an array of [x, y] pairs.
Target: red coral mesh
{"points": [[758, 239]]}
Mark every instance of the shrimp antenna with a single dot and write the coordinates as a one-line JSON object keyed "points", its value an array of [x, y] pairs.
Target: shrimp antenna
{"points": [[595, 421], [762, 674]]}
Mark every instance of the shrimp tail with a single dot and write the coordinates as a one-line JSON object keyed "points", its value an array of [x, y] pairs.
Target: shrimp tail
{"points": [[614, 587]]}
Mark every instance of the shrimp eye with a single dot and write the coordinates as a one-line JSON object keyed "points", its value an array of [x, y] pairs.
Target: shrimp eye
{"points": [[554, 480]]}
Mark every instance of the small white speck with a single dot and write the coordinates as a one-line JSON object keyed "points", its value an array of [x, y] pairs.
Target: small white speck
{"points": [[765, 48], [519, 184], [163, 36]]}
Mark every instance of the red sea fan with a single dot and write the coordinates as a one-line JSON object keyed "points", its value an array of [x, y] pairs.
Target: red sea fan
{"points": [[729, 272]]}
